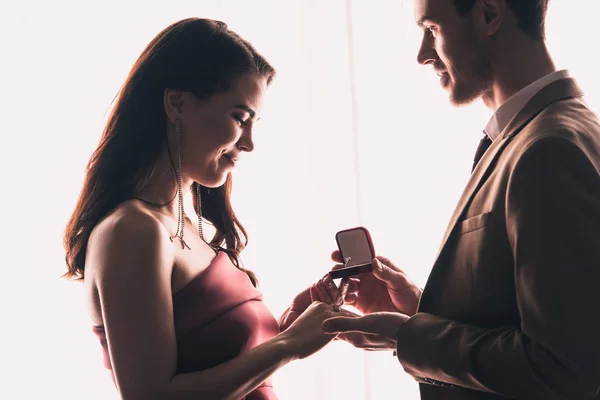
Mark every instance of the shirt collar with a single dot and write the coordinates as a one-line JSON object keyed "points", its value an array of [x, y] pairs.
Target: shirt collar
{"points": [[516, 102]]}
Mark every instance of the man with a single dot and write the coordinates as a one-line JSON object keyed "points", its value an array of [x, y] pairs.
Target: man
{"points": [[510, 309]]}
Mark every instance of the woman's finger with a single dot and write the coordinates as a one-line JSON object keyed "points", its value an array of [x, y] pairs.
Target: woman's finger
{"points": [[330, 286], [319, 293]]}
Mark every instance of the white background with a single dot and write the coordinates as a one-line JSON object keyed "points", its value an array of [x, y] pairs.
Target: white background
{"points": [[354, 132]]}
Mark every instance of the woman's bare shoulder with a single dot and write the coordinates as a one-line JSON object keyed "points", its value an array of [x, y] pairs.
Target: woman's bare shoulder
{"points": [[129, 237]]}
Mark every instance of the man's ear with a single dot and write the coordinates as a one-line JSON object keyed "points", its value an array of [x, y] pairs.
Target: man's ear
{"points": [[491, 15], [173, 103]]}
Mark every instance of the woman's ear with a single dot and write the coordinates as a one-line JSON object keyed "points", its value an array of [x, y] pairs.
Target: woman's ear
{"points": [[173, 103]]}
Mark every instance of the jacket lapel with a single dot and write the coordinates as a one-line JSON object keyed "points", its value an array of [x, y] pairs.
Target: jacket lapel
{"points": [[558, 90]]}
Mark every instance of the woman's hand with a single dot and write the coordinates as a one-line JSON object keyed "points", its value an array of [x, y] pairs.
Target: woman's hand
{"points": [[324, 291], [305, 335]]}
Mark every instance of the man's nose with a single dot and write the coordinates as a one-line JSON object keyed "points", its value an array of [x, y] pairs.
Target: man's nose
{"points": [[427, 53]]}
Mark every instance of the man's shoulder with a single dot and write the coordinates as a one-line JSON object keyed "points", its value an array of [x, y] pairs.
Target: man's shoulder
{"points": [[568, 119], [566, 130]]}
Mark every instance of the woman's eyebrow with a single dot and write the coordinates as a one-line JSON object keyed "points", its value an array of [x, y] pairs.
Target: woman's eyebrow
{"points": [[246, 108]]}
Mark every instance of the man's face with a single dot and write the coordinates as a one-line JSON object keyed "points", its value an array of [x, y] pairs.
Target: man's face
{"points": [[451, 45]]}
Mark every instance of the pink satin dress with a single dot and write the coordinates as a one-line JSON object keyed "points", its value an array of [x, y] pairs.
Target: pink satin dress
{"points": [[218, 316]]}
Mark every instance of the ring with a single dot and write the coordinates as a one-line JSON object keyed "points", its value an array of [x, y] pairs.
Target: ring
{"points": [[336, 308]]}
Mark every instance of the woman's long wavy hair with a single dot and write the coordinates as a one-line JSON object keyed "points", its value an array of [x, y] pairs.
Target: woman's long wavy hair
{"points": [[200, 56]]}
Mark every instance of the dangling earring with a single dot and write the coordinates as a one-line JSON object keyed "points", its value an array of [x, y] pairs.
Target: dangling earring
{"points": [[180, 213], [199, 210]]}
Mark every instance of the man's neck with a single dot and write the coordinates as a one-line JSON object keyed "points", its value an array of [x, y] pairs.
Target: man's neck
{"points": [[527, 63]]}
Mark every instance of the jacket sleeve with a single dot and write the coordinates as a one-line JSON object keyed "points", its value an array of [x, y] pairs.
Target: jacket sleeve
{"points": [[553, 224]]}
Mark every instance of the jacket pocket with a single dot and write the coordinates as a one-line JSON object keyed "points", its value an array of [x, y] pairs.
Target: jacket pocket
{"points": [[473, 223]]}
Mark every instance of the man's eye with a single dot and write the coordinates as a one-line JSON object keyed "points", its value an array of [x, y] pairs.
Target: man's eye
{"points": [[431, 30]]}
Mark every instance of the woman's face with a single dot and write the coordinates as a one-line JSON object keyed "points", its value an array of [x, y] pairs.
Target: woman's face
{"points": [[216, 131]]}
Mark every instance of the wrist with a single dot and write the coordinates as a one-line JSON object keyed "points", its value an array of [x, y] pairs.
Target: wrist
{"points": [[287, 347], [395, 352], [418, 292]]}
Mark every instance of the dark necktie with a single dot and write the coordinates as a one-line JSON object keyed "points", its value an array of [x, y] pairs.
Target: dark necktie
{"points": [[484, 143]]}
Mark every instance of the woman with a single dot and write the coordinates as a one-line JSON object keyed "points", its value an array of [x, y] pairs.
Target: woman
{"points": [[179, 317]]}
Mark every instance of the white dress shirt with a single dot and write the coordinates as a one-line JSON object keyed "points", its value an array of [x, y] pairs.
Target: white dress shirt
{"points": [[511, 107]]}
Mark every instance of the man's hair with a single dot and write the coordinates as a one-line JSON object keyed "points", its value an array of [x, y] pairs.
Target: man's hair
{"points": [[531, 14]]}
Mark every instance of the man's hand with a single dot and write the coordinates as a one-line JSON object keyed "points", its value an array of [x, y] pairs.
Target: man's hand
{"points": [[376, 331], [386, 289]]}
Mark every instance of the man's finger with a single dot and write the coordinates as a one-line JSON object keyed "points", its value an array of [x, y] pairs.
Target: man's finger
{"points": [[365, 342], [353, 287], [346, 324], [390, 264], [385, 273], [350, 299], [355, 339], [337, 266], [337, 257]]}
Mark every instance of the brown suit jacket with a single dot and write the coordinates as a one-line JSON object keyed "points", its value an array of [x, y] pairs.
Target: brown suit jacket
{"points": [[512, 306]]}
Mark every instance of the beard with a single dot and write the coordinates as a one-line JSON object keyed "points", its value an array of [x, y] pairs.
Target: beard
{"points": [[471, 75]]}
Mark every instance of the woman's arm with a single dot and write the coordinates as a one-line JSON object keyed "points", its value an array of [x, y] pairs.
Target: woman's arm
{"points": [[235, 378], [130, 259]]}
